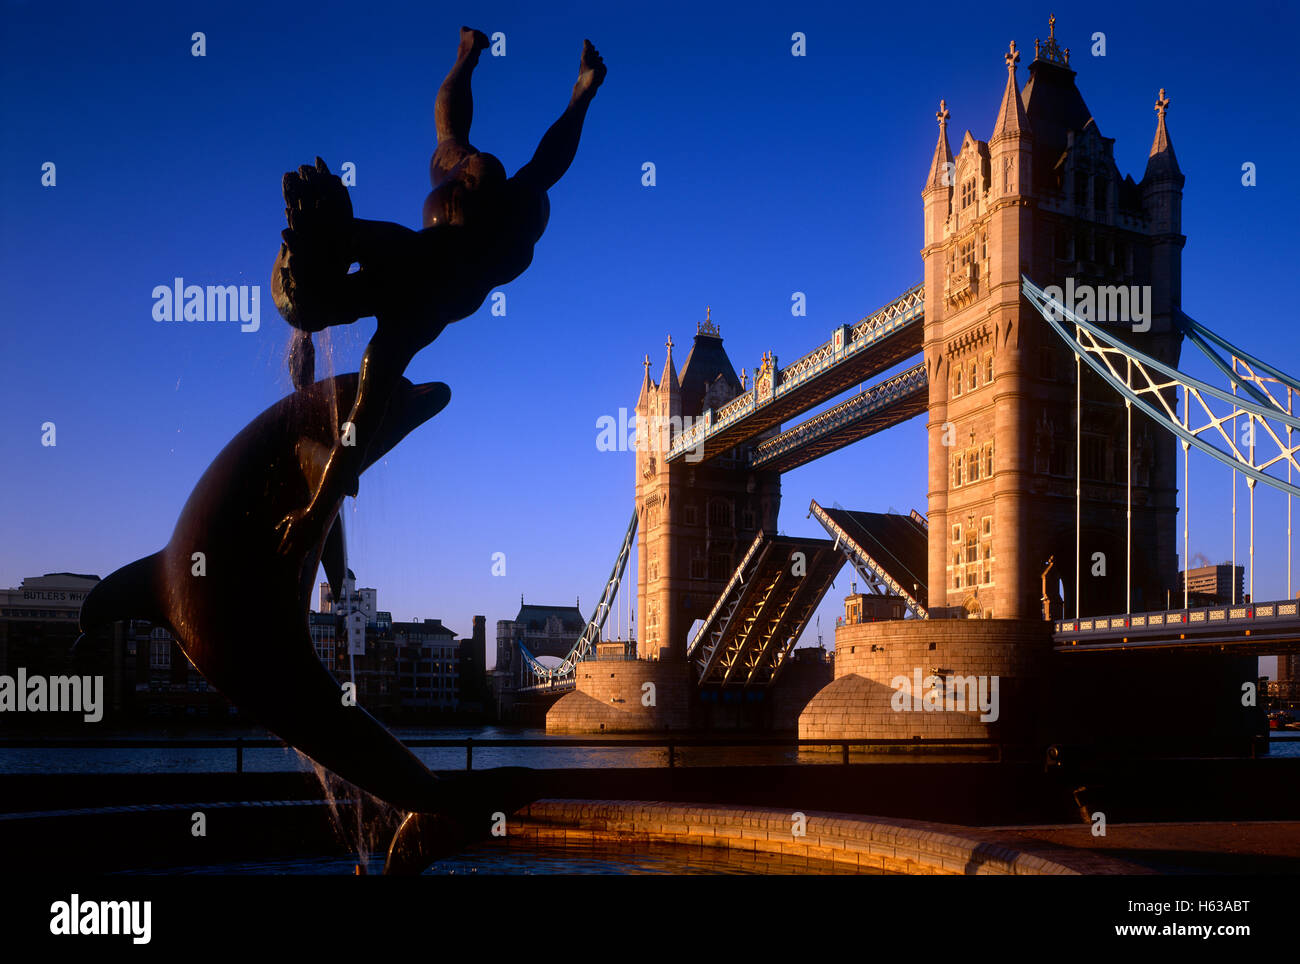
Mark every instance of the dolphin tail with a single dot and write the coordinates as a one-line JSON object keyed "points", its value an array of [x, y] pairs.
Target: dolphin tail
{"points": [[129, 593]]}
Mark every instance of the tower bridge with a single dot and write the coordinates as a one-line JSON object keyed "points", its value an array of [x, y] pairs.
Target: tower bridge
{"points": [[1052, 441]]}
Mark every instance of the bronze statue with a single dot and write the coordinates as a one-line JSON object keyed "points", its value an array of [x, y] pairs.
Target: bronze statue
{"points": [[233, 583], [238, 608], [479, 231]]}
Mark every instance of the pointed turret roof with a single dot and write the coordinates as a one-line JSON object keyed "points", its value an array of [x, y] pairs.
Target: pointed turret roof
{"points": [[941, 164], [647, 386], [668, 379], [1161, 162], [1012, 118], [706, 363]]}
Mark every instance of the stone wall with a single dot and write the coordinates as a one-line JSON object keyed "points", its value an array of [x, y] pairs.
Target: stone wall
{"points": [[870, 844], [870, 656], [609, 698]]}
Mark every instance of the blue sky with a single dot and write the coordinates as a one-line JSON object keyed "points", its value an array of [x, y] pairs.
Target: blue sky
{"points": [[774, 174]]}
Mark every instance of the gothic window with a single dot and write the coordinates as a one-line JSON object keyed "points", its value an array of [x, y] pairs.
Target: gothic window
{"points": [[1008, 175], [988, 460], [697, 563], [1064, 245], [987, 525], [719, 567], [719, 513], [1094, 457], [956, 380], [974, 373], [972, 546], [988, 368], [1060, 460], [984, 247], [957, 466], [973, 466], [1046, 364], [967, 252], [968, 193], [956, 533]]}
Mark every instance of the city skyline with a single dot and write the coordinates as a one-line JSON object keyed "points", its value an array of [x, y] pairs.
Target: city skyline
{"points": [[141, 406]]}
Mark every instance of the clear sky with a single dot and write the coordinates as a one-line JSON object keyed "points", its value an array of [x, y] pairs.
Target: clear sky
{"points": [[775, 174]]}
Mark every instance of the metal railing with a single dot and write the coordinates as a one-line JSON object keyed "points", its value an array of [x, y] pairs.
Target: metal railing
{"points": [[469, 744]]}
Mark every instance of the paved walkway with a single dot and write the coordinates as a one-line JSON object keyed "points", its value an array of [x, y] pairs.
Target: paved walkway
{"points": [[1261, 847]]}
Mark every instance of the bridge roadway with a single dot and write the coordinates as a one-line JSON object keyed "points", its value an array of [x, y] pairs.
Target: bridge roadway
{"points": [[1262, 628], [854, 353], [872, 410]]}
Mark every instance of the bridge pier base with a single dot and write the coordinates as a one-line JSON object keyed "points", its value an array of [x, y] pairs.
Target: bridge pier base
{"points": [[625, 696], [885, 683]]}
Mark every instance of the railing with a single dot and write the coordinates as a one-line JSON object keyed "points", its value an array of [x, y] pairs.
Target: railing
{"points": [[673, 744], [1001, 751], [1195, 618]]}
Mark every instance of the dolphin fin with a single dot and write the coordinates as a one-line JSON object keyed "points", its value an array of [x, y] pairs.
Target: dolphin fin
{"points": [[129, 593], [335, 557]]}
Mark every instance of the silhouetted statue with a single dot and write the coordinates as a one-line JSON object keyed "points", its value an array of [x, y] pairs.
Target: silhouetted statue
{"points": [[479, 231]]}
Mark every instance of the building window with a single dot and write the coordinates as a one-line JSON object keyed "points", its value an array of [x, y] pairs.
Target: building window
{"points": [[988, 460], [956, 380], [974, 373], [160, 654], [988, 368], [987, 526], [721, 567], [690, 514], [968, 252], [957, 467], [747, 518], [697, 563], [972, 466], [719, 513], [956, 533], [968, 193], [1094, 457]]}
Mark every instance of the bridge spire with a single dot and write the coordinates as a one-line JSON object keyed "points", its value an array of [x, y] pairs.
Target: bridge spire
{"points": [[1012, 118], [1161, 162], [668, 380], [1051, 51], [941, 166]]}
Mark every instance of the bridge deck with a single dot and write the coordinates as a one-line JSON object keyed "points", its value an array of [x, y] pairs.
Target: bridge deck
{"points": [[854, 354], [872, 410], [766, 605], [886, 549], [1262, 628]]}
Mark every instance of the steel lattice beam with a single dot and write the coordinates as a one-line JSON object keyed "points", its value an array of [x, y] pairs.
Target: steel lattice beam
{"points": [[1153, 383]]}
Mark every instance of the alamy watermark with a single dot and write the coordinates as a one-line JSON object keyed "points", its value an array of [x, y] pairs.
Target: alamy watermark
{"points": [[1126, 304], [57, 694], [181, 302], [654, 433], [944, 691]]}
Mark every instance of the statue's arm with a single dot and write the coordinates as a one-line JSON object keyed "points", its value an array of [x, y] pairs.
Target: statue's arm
{"points": [[556, 151], [559, 145]]}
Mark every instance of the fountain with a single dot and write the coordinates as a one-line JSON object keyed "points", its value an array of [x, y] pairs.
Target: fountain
{"points": [[265, 514]]}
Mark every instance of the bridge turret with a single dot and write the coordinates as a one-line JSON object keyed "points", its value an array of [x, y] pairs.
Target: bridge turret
{"points": [[1162, 202], [937, 194]]}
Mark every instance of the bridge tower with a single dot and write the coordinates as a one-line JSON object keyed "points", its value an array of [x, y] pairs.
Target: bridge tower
{"points": [[1044, 197], [696, 521]]}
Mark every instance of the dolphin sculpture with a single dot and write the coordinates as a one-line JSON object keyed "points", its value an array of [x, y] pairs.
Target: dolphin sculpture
{"points": [[239, 610]]}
